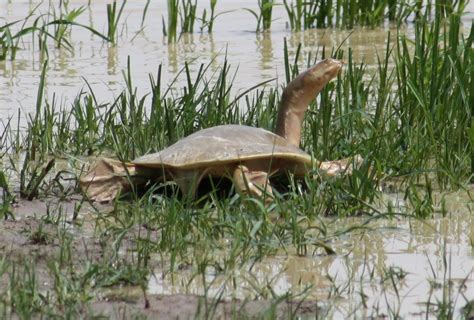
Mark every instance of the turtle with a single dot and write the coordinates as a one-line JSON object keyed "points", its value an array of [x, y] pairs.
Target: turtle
{"points": [[248, 156]]}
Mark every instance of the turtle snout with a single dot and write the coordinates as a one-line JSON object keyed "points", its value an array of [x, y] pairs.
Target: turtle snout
{"points": [[323, 72], [334, 66]]}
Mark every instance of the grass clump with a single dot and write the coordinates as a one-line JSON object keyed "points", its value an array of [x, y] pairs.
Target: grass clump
{"points": [[434, 104]]}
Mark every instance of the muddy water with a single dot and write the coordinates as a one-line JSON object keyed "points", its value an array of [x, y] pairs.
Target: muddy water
{"points": [[363, 259], [396, 266]]}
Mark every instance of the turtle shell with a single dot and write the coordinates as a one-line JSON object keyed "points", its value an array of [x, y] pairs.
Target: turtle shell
{"points": [[221, 145]]}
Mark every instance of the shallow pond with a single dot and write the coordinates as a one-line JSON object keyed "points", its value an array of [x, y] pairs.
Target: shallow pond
{"points": [[396, 265]]}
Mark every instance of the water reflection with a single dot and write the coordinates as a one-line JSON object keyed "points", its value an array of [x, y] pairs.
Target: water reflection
{"points": [[265, 49], [172, 58], [112, 60]]}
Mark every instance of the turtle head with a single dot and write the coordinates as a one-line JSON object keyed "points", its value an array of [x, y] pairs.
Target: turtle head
{"points": [[321, 73], [299, 93]]}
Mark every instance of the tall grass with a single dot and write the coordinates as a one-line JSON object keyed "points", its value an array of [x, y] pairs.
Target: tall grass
{"points": [[9, 40], [62, 30], [301, 14], [435, 102], [266, 8], [186, 11], [304, 15], [6, 197], [145, 11]]}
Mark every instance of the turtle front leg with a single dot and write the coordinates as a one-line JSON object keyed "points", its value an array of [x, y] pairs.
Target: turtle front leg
{"points": [[340, 167], [188, 181], [255, 183]]}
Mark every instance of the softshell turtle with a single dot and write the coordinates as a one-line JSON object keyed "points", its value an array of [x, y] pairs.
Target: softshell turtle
{"points": [[246, 155]]}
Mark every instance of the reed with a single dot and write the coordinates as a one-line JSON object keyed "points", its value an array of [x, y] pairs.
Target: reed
{"points": [[10, 40], [188, 15], [186, 11], [66, 17], [434, 102], [295, 14], [264, 15], [209, 22], [266, 8], [6, 197], [113, 19], [173, 11], [145, 11]]}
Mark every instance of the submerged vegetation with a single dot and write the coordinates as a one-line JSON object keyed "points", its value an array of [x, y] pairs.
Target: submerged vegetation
{"points": [[411, 119]]}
